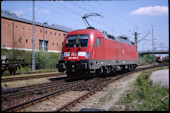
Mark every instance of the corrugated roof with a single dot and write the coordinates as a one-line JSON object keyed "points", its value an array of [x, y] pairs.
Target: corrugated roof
{"points": [[9, 15]]}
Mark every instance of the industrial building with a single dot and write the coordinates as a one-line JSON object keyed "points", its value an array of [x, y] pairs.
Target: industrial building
{"points": [[16, 33]]}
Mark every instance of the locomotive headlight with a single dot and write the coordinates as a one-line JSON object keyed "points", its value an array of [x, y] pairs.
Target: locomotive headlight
{"points": [[87, 55], [66, 54]]}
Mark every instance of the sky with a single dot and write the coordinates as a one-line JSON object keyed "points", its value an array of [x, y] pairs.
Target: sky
{"points": [[149, 18]]}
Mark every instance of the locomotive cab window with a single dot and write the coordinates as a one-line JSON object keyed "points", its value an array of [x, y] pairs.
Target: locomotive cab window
{"points": [[97, 42], [77, 40]]}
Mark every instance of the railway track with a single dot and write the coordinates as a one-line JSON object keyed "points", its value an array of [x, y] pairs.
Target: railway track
{"points": [[30, 77], [54, 93], [33, 77], [21, 94], [73, 94], [37, 72], [24, 88]]}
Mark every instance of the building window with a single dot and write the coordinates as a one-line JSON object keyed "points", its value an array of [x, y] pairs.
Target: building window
{"points": [[26, 40], [53, 43], [64, 34], [20, 39], [8, 24], [57, 44], [40, 30], [16, 26], [46, 32], [46, 46], [59, 34], [23, 27], [50, 33], [55, 33], [43, 45]]}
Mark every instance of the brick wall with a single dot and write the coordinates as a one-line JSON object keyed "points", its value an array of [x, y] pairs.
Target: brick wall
{"points": [[23, 36]]}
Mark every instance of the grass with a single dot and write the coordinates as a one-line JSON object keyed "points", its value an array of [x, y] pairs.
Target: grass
{"points": [[146, 96], [26, 70], [106, 98]]}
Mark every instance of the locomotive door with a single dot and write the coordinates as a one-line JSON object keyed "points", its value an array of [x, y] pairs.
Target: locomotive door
{"points": [[98, 51], [117, 52]]}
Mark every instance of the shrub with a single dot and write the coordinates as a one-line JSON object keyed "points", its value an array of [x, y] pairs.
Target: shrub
{"points": [[43, 59], [151, 95], [146, 96], [128, 98]]}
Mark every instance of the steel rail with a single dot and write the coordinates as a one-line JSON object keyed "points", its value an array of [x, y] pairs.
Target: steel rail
{"points": [[37, 72], [39, 99], [30, 77], [17, 94], [17, 89]]}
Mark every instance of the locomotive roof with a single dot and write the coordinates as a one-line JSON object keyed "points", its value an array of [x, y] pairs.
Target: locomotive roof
{"points": [[118, 39]]}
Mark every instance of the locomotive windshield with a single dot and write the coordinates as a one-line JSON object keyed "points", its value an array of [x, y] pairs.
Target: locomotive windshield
{"points": [[77, 40]]}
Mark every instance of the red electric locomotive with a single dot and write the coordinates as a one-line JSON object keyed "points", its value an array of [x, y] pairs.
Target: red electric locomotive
{"points": [[95, 52], [159, 59]]}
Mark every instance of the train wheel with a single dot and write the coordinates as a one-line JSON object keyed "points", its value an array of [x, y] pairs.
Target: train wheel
{"points": [[123, 68], [70, 75], [130, 67], [133, 66], [99, 72], [109, 70]]}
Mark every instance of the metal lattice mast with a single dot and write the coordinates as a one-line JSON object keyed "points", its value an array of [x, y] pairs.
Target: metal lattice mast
{"points": [[153, 41], [153, 38], [33, 40]]}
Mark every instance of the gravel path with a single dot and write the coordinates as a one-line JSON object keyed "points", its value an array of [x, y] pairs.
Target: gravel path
{"points": [[107, 98], [160, 76]]}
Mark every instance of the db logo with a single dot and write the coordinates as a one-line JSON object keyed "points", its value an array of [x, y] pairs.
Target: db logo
{"points": [[73, 53]]}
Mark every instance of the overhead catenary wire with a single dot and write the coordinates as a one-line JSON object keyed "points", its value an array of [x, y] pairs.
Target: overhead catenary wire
{"points": [[79, 14], [107, 19], [70, 18], [106, 24]]}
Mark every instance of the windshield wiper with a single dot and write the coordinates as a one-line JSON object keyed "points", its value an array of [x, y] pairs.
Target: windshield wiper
{"points": [[78, 41]]}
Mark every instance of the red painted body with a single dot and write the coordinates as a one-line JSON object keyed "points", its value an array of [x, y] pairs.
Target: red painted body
{"points": [[108, 49]]}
